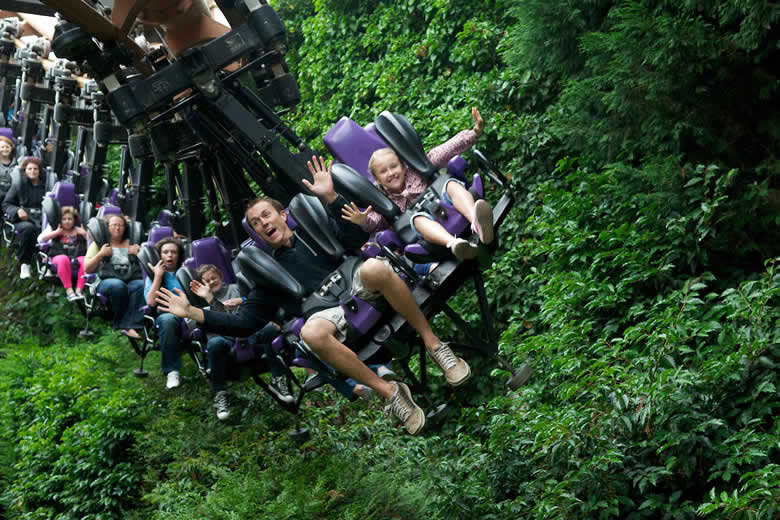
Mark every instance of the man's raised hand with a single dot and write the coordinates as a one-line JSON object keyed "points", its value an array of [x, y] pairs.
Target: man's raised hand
{"points": [[174, 302], [323, 181]]}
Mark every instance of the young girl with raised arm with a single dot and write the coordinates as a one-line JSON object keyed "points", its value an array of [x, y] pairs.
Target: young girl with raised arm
{"points": [[403, 185], [69, 242]]}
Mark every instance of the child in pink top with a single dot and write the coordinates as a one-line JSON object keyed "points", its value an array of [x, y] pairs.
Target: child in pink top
{"points": [[403, 185], [68, 242]]}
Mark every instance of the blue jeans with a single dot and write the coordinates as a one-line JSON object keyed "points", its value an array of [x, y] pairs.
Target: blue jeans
{"points": [[220, 360], [126, 300], [445, 197], [169, 337]]}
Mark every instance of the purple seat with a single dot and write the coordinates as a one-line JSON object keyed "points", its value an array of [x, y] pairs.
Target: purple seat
{"points": [[8, 134], [211, 250], [353, 145], [106, 210], [65, 195], [160, 232], [165, 218]]}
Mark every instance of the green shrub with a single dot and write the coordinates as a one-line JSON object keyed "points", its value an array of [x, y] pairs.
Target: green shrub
{"points": [[72, 433]]}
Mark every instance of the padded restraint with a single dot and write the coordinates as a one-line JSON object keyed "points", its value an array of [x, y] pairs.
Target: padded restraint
{"points": [[185, 276], [51, 211], [264, 271], [401, 136], [425, 202], [334, 290], [356, 188], [98, 228], [148, 255], [312, 218]]}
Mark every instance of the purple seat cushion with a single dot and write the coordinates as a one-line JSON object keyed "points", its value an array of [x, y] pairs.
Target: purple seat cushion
{"points": [[104, 211], [211, 250], [8, 134], [65, 194], [353, 145], [160, 232]]}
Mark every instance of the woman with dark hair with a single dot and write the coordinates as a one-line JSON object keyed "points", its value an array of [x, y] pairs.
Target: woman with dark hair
{"points": [[22, 207], [119, 270], [168, 326]]}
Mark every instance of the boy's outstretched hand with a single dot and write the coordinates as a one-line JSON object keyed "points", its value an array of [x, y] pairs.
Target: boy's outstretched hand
{"points": [[201, 290]]}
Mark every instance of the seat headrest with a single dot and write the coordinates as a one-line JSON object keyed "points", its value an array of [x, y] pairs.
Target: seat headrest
{"points": [[65, 194], [353, 145], [160, 232], [211, 250], [106, 210]]}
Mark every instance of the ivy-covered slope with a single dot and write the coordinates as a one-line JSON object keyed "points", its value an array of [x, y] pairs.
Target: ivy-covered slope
{"points": [[638, 273]]}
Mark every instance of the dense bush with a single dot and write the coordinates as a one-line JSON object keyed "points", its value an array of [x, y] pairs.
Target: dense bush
{"points": [[638, 274], [72, 435]]}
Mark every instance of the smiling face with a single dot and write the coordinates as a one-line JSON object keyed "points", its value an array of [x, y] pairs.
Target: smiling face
{"points": [[169, 254], [389, 171], [5, 150], [67, 221], [32, 172], [212, 280], [269, 223]]}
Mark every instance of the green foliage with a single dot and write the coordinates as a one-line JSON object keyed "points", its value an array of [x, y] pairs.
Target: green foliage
{"points": [[637, 274], [648, 366], [72, 436]]}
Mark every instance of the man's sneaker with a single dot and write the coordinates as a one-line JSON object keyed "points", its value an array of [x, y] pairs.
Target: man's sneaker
{"points": [[172, 380], [405, 409], [25, 271], [281, 390], [455, 369], [222, 406]]}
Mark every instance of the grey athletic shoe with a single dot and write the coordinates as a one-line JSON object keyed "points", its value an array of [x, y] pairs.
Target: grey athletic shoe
{"points": [[281, 389], [221, 404], [455, 369], [405, 409]]}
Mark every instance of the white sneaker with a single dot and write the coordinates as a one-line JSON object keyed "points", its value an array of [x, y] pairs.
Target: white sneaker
{"points": [[386, 373], [462, 249], [25, 272], [172, 380], [221, 404]]}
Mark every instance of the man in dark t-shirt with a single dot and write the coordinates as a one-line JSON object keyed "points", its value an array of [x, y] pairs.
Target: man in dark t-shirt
{"points": [[325, 331]]}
